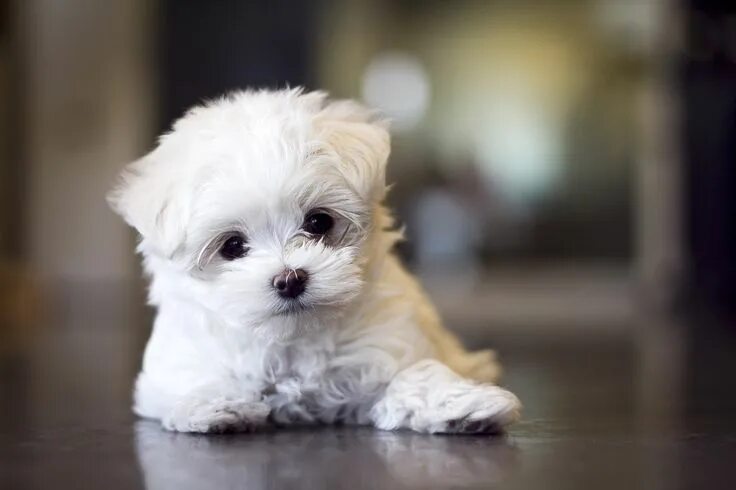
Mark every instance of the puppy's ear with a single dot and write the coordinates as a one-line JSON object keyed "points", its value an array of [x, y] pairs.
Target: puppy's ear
{"points": [[362, 142], [146, 197]]}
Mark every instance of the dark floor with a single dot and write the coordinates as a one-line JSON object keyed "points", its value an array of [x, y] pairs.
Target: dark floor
{"points": [[652, 407]]}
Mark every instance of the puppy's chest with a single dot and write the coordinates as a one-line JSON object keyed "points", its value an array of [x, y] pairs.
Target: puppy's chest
{"points": [[315, 384], [300, 366]]}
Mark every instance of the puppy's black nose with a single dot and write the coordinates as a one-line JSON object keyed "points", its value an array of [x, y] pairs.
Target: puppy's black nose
{"points": [[290, 283]]}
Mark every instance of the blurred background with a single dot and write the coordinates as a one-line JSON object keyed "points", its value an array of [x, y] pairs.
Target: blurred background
{"points": [[565, 171]]}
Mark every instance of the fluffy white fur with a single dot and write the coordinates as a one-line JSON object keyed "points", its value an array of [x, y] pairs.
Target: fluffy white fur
{"points": [[364, 344]]}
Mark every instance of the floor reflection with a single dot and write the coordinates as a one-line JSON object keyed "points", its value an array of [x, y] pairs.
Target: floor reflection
{"points": [[320, 458]]}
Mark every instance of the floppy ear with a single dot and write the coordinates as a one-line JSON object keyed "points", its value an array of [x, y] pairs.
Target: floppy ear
{"points": [[146, 197], [361, 140]]}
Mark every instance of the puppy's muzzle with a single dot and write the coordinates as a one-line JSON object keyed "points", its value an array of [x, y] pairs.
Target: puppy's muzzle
{"points": [[291, 283]]}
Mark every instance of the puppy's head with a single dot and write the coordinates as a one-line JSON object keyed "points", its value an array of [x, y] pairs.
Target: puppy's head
{"points": [[260, 206]]}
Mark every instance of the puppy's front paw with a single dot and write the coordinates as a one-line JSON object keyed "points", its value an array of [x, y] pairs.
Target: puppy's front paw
{"points": [[216, 415], [429, 397], [482, 409]]}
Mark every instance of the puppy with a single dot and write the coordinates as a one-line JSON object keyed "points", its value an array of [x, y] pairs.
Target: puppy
{"points": [[278, 298]]}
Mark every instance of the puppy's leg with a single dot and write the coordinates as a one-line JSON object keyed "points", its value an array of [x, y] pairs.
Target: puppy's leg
{"points": [[429, 397], [214, 408], [216, 415]]}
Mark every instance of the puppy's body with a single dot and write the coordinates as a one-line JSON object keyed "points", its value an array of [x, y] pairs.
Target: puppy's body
{"points": [[356, 342]]}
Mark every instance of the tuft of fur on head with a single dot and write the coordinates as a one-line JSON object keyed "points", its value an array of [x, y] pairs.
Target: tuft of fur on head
{"points": [[254, 164]]}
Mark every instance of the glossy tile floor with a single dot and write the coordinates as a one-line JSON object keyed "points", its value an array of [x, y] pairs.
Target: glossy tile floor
{"points": [[653, 408]]}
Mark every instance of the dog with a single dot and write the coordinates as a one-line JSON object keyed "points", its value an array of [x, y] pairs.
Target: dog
{"points": [[279, 301]]}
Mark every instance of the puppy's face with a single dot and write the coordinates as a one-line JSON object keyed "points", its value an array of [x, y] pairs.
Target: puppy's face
{"points": [[259, 207]]}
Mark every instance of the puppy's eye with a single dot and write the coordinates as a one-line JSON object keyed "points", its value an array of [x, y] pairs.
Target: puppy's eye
{"points": [[318, 223], [234, 248]]}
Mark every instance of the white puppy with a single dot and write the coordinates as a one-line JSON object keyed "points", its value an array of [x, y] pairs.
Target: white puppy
{"points": [[279, 301]]}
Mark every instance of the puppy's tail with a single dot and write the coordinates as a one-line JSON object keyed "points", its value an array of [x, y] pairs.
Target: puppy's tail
{"points": [[480, 365]]}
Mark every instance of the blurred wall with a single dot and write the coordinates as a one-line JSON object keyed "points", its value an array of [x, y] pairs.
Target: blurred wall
{"points": [[88, 110], [209, 48], [8, 85], [709, 144]]}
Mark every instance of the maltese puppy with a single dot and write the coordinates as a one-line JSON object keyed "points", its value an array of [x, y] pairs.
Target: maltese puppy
{"points": [[278, 298]]}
